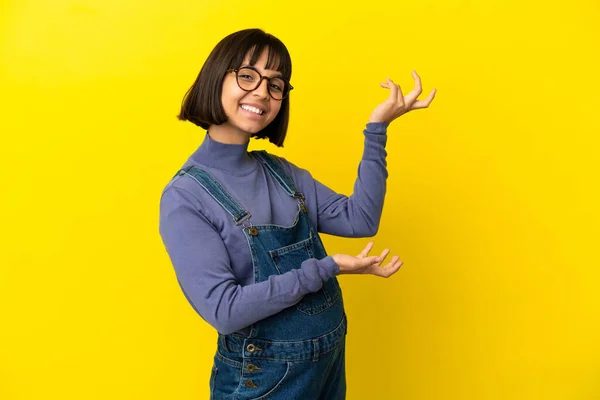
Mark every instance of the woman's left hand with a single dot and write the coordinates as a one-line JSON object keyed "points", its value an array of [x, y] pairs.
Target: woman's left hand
{"points": [[397, 104], [365, 264]]}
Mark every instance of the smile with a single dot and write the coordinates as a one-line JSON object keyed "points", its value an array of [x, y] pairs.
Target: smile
{"points": [[252, 109]]}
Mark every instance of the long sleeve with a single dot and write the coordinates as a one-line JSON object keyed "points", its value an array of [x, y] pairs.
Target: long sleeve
{"points": [[357, 215], [203, 270]]}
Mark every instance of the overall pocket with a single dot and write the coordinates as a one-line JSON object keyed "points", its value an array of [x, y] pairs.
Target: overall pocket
{"points": [[291, 257], [248, 378], [225, 377], [263, 379]]}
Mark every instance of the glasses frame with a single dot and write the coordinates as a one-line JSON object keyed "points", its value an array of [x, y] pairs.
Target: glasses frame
{"points": [[287, 83]]}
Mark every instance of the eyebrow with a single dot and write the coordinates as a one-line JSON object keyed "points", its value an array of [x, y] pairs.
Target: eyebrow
{"points": [[278, 75]]}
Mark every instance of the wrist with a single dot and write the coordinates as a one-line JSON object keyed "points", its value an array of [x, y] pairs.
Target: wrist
{"points": [[331, 265], [337, 260], [376, 131], [377, 127]]}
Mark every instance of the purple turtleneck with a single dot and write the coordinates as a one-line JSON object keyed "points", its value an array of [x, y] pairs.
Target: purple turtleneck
{"points": [[210, 254]]}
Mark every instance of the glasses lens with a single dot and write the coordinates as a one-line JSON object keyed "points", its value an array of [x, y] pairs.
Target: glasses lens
{"points": [[248, 78], [277, 88]]}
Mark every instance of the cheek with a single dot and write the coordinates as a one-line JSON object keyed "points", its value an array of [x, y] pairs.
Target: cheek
{"points": [[231, 95], [275, 110]]}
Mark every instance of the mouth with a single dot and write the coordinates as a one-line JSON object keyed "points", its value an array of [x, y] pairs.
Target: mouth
{"points": [[251, 109]]}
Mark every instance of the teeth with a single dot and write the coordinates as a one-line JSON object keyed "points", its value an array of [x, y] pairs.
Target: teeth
{"points": [[252, 109]]}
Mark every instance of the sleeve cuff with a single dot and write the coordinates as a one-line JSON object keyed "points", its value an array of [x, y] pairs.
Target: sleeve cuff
{"points": [[379, 128], [328, 269]]}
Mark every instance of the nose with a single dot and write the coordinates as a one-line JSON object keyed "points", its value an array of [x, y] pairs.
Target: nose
{"points": [[262, 90]]}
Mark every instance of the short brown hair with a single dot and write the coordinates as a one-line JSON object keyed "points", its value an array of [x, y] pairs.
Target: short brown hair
{"points": [[202, 102]]}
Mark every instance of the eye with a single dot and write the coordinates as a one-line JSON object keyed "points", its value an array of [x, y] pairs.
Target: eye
{"points": [[246, 77], [276, 87]]}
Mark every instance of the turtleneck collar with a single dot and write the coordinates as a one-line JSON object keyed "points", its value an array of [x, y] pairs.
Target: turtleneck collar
{"points": [[231, 158]]}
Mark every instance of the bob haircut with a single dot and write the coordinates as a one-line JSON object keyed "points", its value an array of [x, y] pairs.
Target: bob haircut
{"points": [[202, 102]]}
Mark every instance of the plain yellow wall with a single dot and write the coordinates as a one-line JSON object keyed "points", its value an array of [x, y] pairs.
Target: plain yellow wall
{"points": [[492, 194]]}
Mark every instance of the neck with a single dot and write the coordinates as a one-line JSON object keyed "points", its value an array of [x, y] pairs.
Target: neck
{"points": [[231, 158], [227, 134]]}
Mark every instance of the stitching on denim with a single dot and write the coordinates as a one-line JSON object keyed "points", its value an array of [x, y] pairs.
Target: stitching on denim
{"points": [[274, 227], [316, 350], [213, 375], [232, 207], [252, 254], [329, 296], [277, 170], [222, 190], [212, 195], [277, 386], [289, 248], [308, 356], [337, 334], [228, 361], [324, 306], [331, 332]]}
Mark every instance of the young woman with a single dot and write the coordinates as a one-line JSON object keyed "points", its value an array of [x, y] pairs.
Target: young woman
{"points": [[242, 228]]}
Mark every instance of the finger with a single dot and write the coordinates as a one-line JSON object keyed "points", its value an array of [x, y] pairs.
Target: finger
{"points": [[416, 92], [400, 96], [383, 255], [384, 85], [424, 103], [392, 262], [393, 90], [389, 269], [367, 261], [366, 250], [417, 81], [387, 272]]}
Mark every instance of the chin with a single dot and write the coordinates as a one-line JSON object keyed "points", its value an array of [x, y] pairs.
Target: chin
{"points": [[251, 129]]}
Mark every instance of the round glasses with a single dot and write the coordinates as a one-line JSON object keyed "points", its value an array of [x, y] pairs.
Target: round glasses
{"points": [[249, 79]]}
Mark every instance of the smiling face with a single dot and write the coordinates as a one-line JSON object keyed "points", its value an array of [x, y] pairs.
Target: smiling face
{"points": [[248, 112]]}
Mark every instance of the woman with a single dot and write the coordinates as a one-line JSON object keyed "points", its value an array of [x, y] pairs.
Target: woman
{"points": [[242, 228]]}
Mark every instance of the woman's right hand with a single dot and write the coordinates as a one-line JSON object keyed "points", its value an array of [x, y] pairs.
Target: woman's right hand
{"points": [[365, 264]]}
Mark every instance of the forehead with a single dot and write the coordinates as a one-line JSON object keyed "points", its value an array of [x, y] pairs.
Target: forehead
{"points": [[264, 60]]}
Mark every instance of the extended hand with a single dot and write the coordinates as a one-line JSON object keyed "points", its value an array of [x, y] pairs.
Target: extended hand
{"points": [[397, 104], [365, 264]]}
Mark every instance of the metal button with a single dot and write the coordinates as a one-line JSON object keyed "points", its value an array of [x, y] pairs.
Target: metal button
{"points": [[252, 348], [253, 231], [250, 384], [251, 368]]}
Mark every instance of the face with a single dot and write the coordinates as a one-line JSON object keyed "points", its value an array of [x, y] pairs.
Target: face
{"points": [[249, 112]]}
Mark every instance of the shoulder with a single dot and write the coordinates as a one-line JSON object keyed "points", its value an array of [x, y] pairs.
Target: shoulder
{"points": [[288, 166], [183, 191], [299, 175]]}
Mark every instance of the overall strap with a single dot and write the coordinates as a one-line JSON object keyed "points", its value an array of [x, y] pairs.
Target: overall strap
{"points": [[277, 172], [217, 192]]}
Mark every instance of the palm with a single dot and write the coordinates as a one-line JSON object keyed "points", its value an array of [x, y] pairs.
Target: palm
{"points": [[377, 269], [397, 104]]}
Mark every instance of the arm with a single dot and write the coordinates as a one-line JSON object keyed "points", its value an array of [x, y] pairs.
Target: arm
{"points": [[201, 264], [359, 214]]}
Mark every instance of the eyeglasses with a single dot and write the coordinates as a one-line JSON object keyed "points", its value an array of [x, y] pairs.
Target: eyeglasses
{"points": [[249, 79]]}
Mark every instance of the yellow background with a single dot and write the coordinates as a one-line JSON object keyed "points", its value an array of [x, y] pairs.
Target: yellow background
{"points": [[492, 200]]}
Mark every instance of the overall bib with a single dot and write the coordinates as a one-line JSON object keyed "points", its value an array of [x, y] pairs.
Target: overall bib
{"points": [[299, 352]]}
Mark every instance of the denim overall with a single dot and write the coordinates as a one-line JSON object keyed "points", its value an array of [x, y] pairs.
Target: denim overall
{"points": [[299, 352]]}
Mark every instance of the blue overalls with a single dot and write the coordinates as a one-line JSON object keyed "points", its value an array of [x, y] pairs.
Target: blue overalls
{"points": [[299, 352]]}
